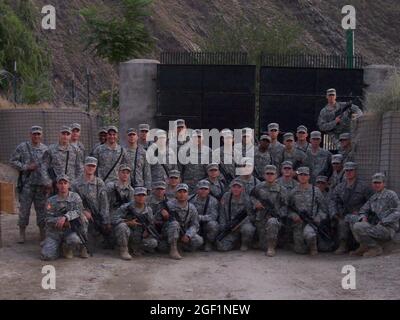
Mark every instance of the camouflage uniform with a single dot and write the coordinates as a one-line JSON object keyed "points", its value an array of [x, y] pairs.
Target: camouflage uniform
{"points": [[107, 157], [289, 185], [160, 170], [55, 237], [80, 148], [141, 173], [170, 192], [297, 157], [249, 183], [275, 149], [348, 154], [261, 159], [335, 179], [229, 168], [305, 148], [217, 188], [319, 163], [117, 195], [33, 189]]}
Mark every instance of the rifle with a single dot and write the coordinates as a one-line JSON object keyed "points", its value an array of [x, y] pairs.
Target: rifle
{"points": [[145, 223], [266, 203], [373, 218], [173, 216], [232, 225], [342, 110], [228, 176], [307, 219]]}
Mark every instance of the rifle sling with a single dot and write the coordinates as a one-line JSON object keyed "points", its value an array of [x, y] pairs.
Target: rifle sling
{"points": [[115, 164]]}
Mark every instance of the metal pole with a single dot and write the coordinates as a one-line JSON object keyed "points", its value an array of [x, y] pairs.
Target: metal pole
{"points": [[88, 89], [15, 82], [350, 48]]}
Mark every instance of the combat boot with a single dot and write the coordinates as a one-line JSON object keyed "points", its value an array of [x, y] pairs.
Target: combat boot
{"points": [[83, 253], [208, 246], [313, 248], [174, 253], [271, 244], [68, 253], [360, 250], [42, 231], [21, 235], [373, 252], [124, 253], [342, 247]]}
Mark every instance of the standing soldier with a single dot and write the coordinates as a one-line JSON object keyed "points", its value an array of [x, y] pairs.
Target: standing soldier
{"points": [[109, 156], [290, 153], [346, 148], [302, 143], [235, 204], [64, 223], [143, 132], [337, 171], [287, 180], [61, 158], [182, 136], [136, 158], [378, 220], [346, 200], [27, 159], [75, 139], [208, 209], [333, 124], [102, 139], [262, 157], [93, 193], [132, 223], [305, 201], [319, 159], [217, 184], [270, 206], [174, 179], [275, 148]]}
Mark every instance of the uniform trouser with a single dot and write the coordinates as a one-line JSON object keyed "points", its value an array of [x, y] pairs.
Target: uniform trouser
{"points": [[267, 230], [209, 230], [343, 228], [244, 234], [53, 241], [171, 233], [36, 195], [126, 236], [369, 235], [303, 236]]}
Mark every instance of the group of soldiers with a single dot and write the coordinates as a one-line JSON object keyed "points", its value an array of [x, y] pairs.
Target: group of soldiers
{"points": [[293, 195]]}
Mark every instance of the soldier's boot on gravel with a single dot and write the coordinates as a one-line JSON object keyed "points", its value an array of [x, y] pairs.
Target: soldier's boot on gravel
{"points": [[174, 253], [21, 235], [271, 245], [360, 250], [68, 253], [313, 248], [83, 253], [124, 253], [342, 247], [373, 252]]}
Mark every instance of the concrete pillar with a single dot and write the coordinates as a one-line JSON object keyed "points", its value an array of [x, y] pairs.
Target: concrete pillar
{"points": [[137, 94], [376, 78]]}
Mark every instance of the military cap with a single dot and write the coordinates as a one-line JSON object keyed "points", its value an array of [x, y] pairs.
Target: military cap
{"points": [[197, 133], [212, 166], [90, 161], [273, 126], [63, 177], [303, 170], [237, 183], [131, 130], [302, 128], [270, 169], [161, 134], [174, 173], [287, 164], [337, 158], [112, 128], [36, 129], [103, 130], [288, 136], [180, 123], [140, 190], [378, 177], [227, 133], [265, 137], [331, 91], [315, 135], [350, 166], [124, 167], [345, 136], [65, 129], [159, 185], [203, 184], [76, 126], [321, 179], [144, 127], [182, 186], [247, 132]]}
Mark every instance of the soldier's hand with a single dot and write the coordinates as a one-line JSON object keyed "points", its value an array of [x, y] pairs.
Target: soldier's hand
{"points": [[337, 120], [145, 234], [259, 206], [164, 214], [60, 222], [296, 219], [185, 239], [133, 223], [88, 215]]}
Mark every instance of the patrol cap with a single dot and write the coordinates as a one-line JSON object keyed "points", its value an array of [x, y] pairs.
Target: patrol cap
{"points": [[203, 184], [345, 136], [237, 182], [180, 123], [131, 130], [303, 170], [63, 177], [226, 133], [265, 137], [378, 177], [112, 128], [302, 128], [270, 169], [90, 161], [331, 91], [65, 129], [103, 130], [174, 173], [197, 133], [75, 126], [36, 129], [323, 179], [159, 185], [161, 134], [140, 190], [337, 158], [182, 186], [273, 126], [287, 164], [247, 132], [212, 166], [315, 135], [288, 136], [350, 166], [124, 167], [144, 127]]}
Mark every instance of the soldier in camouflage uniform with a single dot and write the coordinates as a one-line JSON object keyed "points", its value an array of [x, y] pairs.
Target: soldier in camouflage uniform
{"points": [[144, 129], [174, 179], [267, 218], [275, 148], [58, 222], [109, 156], [286, 179], [337, 171], [136, 158], [129, 232], [217, 183], [102, 139], [183, 226], [290, 153], [322, 183], [327, 122], [246, 175], [208, 209], [346, 148], [61, 158], [346, 200], [308, 199], [302, 143], [378, 220], [75, 139], [26, 159], [226, 156], [157, 201], [262, 157], [180, 137], [93, 193], [233, 203], [319, 160]]}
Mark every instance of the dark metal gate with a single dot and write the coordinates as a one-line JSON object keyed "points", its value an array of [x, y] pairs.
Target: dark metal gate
{"points": [[208, 90]]}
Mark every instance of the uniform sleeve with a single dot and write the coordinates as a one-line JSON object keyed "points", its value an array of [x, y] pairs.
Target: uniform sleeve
{"points": [[51, 214], [44, 167], [324, 125], [194, 222], [77, 209], [283, 202], [357, 112], [121, 213], [213, 210], [104, 205], [16, 159]]}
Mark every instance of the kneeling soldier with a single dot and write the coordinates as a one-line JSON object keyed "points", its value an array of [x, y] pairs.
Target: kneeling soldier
{"points": [[64, 223]]}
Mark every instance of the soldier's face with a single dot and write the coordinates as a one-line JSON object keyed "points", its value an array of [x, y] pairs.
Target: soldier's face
{"points": [[124, 175], [303, 178], [76, 133], [182, 195], [213, 173], [287, 172], [65, 137], [102, 137], [112, 137], [264, 143], [203, 192], [143, 135], [159, 192], [337, 167], [378, 186], [236, 190], [63, 186], [302, 136], [273, 133], [174, 181], [228, 140], [315, 142], [322, 185], [350, 174], [331, 98], [140, 198], [132, 138], [161, 142], [90, 169], [289, 144], [270, 177], [344, 143], [36, 138], [180, 129]]}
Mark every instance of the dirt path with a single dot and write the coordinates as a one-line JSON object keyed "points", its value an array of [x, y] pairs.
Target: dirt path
{"points": [[233, 275]]}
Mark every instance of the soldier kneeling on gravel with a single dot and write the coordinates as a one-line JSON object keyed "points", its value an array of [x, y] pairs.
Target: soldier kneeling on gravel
{"points": [[378, 220], [64, 226]]}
